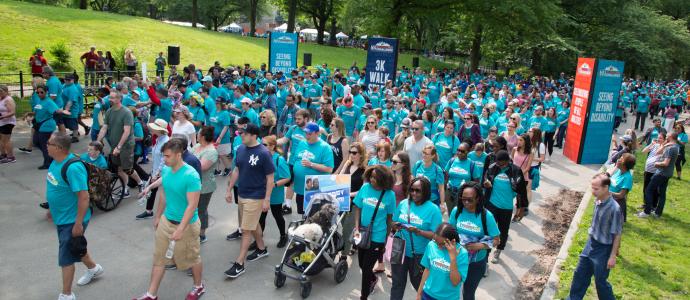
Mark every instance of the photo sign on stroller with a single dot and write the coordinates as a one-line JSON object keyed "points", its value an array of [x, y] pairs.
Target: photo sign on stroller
{"points": [[337, 186]]}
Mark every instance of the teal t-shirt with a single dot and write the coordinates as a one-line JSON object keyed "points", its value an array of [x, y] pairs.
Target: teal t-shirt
{"points": [[318, 153], [296, 135], [502, 194], [165, 110], [55, 90], [461, 171], [435, 175], [282, 172], [537, 122], [98, 108], [219, 121], [176, 186], [425, 217], [470, 225], [252, 116], [61, 196], [643, 104], [445, 146], [437, 261], [478, 160], [366, 200], [484, 125], [198, 115], [99, 162], [550, 125], [138, 133], [350, 117], [621, 181], [71, 94], [44, 111], [376, 161]]}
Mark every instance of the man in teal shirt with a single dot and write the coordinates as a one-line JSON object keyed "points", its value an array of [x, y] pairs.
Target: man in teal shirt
{"points": [[70, 98], [642, 102], [68, 200]]}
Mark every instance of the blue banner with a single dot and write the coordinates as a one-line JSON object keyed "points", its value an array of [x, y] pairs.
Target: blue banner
{"points": [[282, 52], [382, 61], [602, 109], [334, 188]]}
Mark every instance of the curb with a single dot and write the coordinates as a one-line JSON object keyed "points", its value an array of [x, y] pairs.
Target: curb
{"points": [[551, 286]]}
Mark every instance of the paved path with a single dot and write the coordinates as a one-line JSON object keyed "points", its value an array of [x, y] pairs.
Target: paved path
{"points": [[124, 246]]}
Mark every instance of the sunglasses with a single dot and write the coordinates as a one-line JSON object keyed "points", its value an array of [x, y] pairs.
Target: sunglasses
{"points": [[395, 162], [461, 151], [354, 152], [414, 128], [468, 118], [369, 123]]}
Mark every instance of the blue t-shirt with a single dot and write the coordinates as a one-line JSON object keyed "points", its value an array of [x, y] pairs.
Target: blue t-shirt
{"points": [[138, 133], [350, 117], [55, 90], [478, 160], [461, 171], [538, 122], [44, 111], [219, 121], [425, 217], [621, 181], [70, 94], [366, 200], [318, 153], [376, 161], [176, 185], [470, 225], [282, 172], [61, 196], [296, 135], [99, 162], [437, 261], [98, 108], [502, 193], [254, 164], [435, 175], [550, 125], [445, 147], [165, 110]]}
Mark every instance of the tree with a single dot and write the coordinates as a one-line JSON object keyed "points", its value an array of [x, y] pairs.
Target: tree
{"points": [[195, 12], [83, 4], [319, 11]]}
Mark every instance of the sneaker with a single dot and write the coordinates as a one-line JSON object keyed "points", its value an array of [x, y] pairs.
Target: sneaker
{"points": [[146, 297], [189, 272], [654, 215], [90, 274], [44, 205], [87, 129], [126, 195], [496, 257], [486, 272], [203, 239], [43, 168], [8, 160], [282, 242], [235, 270], [145, 215], [143, 161], [257, 254], [171, 267], [233, 236], [252, 246], [25, 150], [67, 297], [372, 287], [226, 172], [75, 139], [642, 215], [196, 292], [216, 172], [287, 210]]}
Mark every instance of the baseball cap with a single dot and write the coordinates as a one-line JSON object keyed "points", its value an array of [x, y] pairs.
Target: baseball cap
{"points": [[207, 78], [626, 138], [246, 100], [69, 76], [159, 125], [252, 129], [367, 106], [406, 122], [235, 72], [311, 128], [422, 101]]}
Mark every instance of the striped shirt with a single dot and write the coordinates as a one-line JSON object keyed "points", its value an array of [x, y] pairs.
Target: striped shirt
{"points": [[607, 221]]}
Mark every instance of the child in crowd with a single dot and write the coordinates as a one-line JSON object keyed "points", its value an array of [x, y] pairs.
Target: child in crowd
{"points": [[94, 155]]}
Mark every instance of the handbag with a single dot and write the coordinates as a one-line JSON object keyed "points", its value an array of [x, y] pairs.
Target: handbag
{"points": [[397, 250], [365, 232]]}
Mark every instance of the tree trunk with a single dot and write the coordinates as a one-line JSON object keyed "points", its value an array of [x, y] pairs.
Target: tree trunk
{"points": [[475, 51], [252, 17], [83, 4], [195, 13], [507, 71], [396, 16], [332, 41], [153, 11], [292, 13], [536, 61]]}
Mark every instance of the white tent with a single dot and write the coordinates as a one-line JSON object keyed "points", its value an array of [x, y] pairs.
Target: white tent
{"points": [[364, 37], [185, 24], [281, 28], [313, 31], [233, 27], [341, 35]]}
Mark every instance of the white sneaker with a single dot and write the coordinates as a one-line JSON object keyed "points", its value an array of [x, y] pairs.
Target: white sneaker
{"points": [[642, 215], [90, 274], [67, 297], [497, 255]]}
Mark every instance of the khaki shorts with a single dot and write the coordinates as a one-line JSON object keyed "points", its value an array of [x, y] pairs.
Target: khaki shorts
{"points": [[250, 212], [224, 149], [125, 159], [187, 249]]}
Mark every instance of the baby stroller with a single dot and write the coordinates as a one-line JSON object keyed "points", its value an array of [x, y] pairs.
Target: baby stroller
{"points": [[307, 258]]}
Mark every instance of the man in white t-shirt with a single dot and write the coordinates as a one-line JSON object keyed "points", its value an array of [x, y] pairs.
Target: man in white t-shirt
{"points": [[416, 143]]}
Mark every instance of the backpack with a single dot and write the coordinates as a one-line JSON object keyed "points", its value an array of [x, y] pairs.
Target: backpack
{"points": [[98, 179], [483, 217], [147, 141]]}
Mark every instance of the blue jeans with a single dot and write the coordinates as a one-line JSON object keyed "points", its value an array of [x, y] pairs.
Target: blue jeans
{"points": [[656, 193], [94, 134], [475, 273], [593, 261]]}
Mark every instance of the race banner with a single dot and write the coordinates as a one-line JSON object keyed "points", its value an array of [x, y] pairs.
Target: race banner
{"points": [[578, 108], [282, 52], [602, 110], [382, 61], [335, 188]]}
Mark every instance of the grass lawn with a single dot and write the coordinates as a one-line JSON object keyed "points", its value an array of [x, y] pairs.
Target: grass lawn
{"points": [[654, 261], [26, 26]]}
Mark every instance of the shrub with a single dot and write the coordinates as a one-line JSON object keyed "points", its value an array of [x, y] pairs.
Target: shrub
{"points": [[61, 56], [119, 56]]}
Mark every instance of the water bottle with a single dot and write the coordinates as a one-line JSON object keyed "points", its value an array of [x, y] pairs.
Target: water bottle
{"points": [[171, 250]]}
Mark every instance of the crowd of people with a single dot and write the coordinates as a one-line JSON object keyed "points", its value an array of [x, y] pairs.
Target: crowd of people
{"points": [[428, 146]]}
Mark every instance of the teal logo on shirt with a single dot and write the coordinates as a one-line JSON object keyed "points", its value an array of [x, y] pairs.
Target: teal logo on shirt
{"points": [[414, 219], [468, 226], [372, 202], [441, 264], [51, 179]]}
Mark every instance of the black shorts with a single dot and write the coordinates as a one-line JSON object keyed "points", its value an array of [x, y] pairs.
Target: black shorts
{"points": [[292, 176], [59, 119], [70, 123], [6, 129]]}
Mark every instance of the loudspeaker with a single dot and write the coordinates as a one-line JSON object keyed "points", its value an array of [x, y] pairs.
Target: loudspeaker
{"points": [[173, 55], [415, 62], [307, 59]]}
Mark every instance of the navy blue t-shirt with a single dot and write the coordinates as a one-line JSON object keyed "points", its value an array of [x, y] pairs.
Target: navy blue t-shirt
{"points": [[191, 160], [253, 164]]}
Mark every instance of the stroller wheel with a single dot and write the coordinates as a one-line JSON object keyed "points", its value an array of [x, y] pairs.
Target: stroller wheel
{"points": [[305, 289], [279, 280], [340, 271]]}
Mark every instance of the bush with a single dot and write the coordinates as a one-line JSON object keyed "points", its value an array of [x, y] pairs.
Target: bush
{"points": [[61, 56], [119, 56]]}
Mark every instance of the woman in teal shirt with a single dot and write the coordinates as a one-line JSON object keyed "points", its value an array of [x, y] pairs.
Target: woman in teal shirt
{"points": [[445, 262], [281, 178], [682, 142], [446, 142], [415, 220], [485, 122], [622, 181], [478, 230], [221, 121], [383, 155], [429, 168], [460, 170], [377, 191], [45, 124], [550, 129]]}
